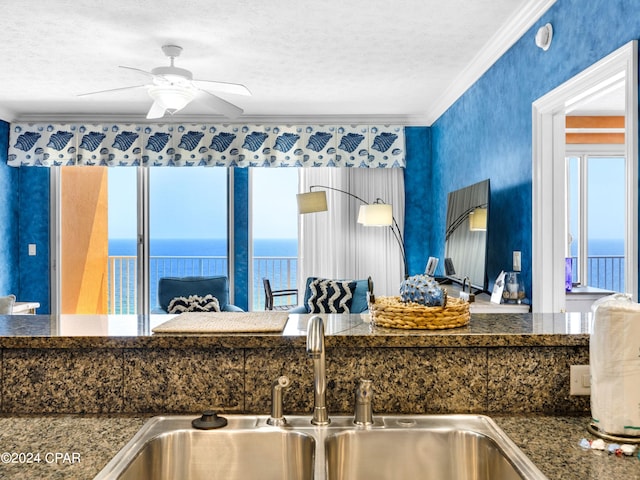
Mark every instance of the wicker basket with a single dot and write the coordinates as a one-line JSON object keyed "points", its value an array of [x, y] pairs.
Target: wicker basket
{"points": [[392, 312]]}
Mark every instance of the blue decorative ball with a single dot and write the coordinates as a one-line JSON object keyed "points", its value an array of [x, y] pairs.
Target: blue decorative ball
{"points": [[422, 289]]}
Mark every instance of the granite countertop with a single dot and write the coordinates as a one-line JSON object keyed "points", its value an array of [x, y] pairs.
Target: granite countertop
{"points": [[91, 441], [356, 330]]}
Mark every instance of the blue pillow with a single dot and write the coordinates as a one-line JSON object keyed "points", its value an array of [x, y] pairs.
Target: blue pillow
{"points": [[330, 296]]}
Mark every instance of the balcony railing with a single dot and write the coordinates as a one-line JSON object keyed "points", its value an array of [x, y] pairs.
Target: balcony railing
{"points": [[281, 271], [603, 271]]}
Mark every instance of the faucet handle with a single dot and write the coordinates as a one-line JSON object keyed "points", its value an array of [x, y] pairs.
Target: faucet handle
{"points": [[364, 397]]}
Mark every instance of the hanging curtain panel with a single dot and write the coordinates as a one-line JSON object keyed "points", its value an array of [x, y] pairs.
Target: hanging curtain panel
{"points": [[233, 145]]}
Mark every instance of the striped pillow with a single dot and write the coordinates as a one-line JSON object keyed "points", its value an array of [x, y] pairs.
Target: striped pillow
{"points": [[194, 303], [330, 296]]}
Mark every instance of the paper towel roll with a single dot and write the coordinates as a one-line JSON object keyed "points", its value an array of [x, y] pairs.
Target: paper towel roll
{"points": [[614, 351]]}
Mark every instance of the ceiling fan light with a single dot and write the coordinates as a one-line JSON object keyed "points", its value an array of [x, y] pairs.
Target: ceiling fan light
{"points": [[171, 97]]}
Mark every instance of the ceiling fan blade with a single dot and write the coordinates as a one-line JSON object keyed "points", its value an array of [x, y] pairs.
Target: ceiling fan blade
{"points": [[226, 87], [110, 90], [156, 111], [144, 72], [219, 105]]}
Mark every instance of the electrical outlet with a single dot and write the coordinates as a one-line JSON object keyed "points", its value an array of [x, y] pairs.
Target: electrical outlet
{"points": [[580, 379], [517, 262]]}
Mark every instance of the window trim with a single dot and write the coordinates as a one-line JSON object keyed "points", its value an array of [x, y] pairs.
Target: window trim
{"points": [[583, 152]]}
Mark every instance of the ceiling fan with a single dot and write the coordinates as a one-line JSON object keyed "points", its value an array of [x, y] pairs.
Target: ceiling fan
{"points": [[173, 88]]}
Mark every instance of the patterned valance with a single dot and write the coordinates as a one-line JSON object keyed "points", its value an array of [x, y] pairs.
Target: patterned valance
{"points": [[362, 146]]}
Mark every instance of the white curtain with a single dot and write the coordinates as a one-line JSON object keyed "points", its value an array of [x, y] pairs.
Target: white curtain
{"points": [[333, 245]]}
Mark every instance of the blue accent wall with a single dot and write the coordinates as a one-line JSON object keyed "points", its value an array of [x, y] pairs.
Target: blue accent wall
{"points": [[34, 284], [420, 213], [241, 255], [8, 219], [487, 132], [24, 219]]}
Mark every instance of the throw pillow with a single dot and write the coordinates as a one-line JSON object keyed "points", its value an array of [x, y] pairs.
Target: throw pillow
{"points": [[194, 303], [330, 296], [6, 304]]}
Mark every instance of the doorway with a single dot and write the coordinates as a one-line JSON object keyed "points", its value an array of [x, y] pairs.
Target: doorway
{"points": [[549, 194]]}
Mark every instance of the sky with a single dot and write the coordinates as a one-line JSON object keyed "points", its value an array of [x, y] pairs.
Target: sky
{"points": [[191, 202], [606, 198]]}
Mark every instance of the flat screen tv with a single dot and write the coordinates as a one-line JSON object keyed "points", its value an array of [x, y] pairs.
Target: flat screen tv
{"points": [[466, 235]]}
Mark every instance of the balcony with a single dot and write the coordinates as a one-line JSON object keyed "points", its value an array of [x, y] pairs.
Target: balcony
{"points": [[604, 271], [282, 271]]}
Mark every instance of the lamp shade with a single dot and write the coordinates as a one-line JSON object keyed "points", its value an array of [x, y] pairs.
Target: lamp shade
{"points": [[478, 220], [376, 215], [171, 97], [312, 202]]}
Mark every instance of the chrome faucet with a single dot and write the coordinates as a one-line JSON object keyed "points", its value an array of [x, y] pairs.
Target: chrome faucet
{"points": [[470, 297], [315, 350], [277, 416], [364, 395]]}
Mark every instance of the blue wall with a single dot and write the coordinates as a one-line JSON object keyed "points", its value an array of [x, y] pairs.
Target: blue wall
{"points": [[241, 256], [33, 205], [8, 219], [487, 132], [24, 219], [419, 228]]}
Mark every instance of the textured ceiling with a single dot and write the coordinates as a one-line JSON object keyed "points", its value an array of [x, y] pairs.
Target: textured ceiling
{"points": [[354, 58]]}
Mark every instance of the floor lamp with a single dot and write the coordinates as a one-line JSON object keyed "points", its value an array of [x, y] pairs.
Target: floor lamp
{"points": [[376, 214]]}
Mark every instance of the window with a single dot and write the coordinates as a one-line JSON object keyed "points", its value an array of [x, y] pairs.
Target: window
{"points": [[187, 224], [275, 230], [596, 203], [122, 234], [98, 228]]}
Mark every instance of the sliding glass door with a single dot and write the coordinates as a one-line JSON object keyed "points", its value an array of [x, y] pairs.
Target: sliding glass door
{"points": [[275, 231], [97, 229], [96, 245], [180, 218], [187, 224]]}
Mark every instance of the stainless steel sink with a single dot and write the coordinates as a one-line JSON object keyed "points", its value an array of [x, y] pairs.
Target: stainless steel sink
{"points": [[437, 448], [169, 448], [422, 446]]}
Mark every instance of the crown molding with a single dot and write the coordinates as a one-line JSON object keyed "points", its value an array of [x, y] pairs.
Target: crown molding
{"points": [[515, 27], [7, 115]]}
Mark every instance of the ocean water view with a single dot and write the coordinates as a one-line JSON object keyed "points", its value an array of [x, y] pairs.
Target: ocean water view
{"points": [[275, 259], [262, 247]]}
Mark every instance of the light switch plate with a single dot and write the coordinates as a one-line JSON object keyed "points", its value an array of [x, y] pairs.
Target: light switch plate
{"points": [[517, 261], [32, 249], [580, 380]]}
